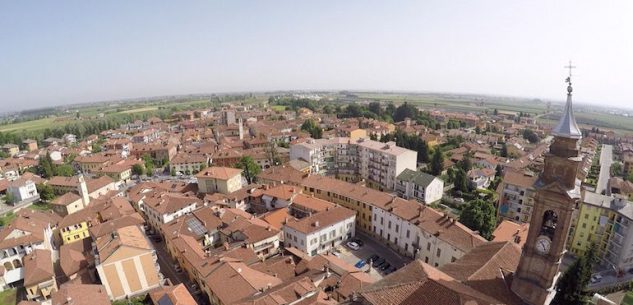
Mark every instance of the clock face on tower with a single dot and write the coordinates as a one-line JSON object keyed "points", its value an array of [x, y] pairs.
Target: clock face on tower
{"points": [[543, 244]]}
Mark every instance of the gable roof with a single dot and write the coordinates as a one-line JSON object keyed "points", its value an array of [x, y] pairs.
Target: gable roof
{"points": [[38, 267], [421, 284], [417, 177]]}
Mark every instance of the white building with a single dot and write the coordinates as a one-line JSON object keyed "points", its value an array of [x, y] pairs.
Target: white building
{"points": [[163, 207], [419, 186], [320, 232], [22, 189], [422, 232], [376, 162], [29, 231]]}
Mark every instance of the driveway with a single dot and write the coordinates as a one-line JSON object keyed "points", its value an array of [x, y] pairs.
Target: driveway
{"points": [[606, 159], [369, 248]]}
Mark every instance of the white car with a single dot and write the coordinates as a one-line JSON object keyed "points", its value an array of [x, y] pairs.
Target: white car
{"points": [[596, 278], [352, 245]]}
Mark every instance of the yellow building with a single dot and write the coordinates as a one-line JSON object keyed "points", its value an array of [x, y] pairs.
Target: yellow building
{"points": [[583, 232], [352, 196], [608, 222], [218, 179], [74, 227]]}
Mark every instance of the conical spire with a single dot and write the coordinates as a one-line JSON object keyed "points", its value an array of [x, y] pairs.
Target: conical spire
{"points": [[567, 127]]}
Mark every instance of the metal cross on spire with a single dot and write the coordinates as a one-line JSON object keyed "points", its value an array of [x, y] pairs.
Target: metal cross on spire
{"points": [[568, 80]]}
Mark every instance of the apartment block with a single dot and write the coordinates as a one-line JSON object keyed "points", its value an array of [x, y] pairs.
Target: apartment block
{"points": [[352, 160], [516, 196], [608, 222]]}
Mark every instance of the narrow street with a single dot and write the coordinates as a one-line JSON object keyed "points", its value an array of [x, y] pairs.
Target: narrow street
{"points": [[167, 268]]}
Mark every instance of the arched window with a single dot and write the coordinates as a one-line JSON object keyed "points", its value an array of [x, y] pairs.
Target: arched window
{"points": [[550, 219], [8, 266], [17, 263]]}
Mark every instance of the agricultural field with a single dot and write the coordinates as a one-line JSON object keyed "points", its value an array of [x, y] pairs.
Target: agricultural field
{"points": [[461, 104], [32, 125], [142, 109]]}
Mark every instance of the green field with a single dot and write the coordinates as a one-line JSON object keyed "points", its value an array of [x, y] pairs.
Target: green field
{"points": [[459, 104], [278, 108], [8, 297], [31, 125]]}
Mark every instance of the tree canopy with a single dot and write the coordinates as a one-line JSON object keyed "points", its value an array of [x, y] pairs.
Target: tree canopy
{"points": [[437, 163], [530, 136], [571, 289], [250, 167], [479, 215]]}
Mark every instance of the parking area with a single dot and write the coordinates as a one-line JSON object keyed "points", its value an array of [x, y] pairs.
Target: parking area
{"points": [[386, 261]]}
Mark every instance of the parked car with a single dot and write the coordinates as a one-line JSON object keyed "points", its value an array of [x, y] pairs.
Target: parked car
{"points": [[353, 245], [373, 258], [385, 266], [157, 238], [358, 241], [360, 264], [377, 263], [596, 278], [390, 270]]}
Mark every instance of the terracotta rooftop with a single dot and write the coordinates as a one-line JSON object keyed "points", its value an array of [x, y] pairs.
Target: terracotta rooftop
{"points": [[38, 267], [216, 172], [81, 294], [321, 220], [175, 295]]}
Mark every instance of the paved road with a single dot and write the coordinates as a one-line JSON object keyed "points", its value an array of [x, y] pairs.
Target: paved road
{"points": [[167, 269], [606, 159]]}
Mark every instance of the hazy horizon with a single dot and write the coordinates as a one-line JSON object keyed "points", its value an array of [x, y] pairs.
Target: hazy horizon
{"points": [[71, 52]]}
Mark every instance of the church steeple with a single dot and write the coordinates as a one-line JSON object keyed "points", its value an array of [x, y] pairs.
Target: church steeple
{"points": [[557, 194], [567, 127]]}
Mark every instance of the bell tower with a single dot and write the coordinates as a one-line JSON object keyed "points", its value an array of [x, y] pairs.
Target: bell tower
{"points": [[557, 195]]}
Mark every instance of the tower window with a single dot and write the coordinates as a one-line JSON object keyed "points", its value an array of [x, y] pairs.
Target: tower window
{"points": [[550, 219]]}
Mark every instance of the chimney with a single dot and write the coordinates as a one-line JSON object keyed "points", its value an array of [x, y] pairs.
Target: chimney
{"points": [[316, 223], [239, 270], [69, 300]]}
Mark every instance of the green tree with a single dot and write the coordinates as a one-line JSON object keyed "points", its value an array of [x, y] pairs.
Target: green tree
{"points": [[479, 215], [404, 111], [45, 167], [530, 135], [45, 191], [96, 147], [375, 108], [390, 109], [9, 198], [630, 177], [437, 163], [137, 169], [571, 289], [461, 180], [149, 165], [250, 167], [466, 163], [504, 150], [64, 170], [616, 169], [312, 128]]}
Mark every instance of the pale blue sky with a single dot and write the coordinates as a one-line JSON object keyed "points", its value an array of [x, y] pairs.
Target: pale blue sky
{"points": [[60, 52]]}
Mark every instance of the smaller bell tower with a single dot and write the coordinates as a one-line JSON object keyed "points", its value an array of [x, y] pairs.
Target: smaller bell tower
{"points": [[557, 195]]}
